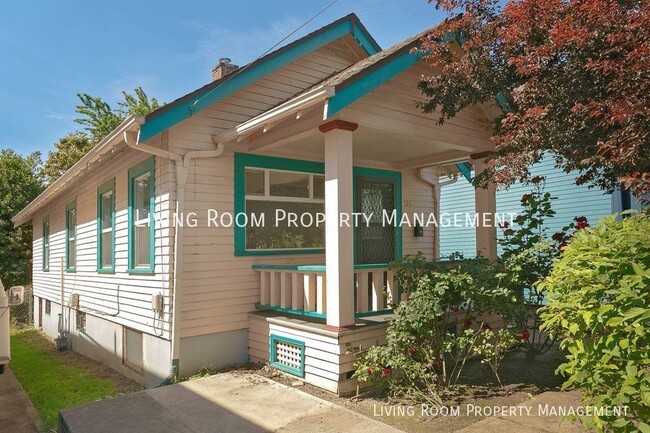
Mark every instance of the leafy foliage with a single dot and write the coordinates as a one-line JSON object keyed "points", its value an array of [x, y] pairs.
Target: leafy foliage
{"points": [[599, 308], [99, 118], [572, 78], [19, 184], [68, 150], [437, 329]]}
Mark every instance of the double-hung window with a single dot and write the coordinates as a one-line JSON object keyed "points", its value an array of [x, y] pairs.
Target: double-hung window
{"points": [[106, 227], [141, 217], [284, 204], [71, 237], [46, 244]]}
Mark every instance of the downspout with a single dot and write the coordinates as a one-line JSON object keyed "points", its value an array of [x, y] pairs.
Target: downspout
{"points": [[182, 167], [435, 186]]}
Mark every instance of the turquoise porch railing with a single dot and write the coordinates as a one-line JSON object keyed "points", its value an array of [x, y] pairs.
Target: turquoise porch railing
{"points": [[302, 289]]}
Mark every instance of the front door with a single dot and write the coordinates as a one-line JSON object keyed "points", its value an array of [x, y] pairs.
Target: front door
{"points": [[376, 242]]}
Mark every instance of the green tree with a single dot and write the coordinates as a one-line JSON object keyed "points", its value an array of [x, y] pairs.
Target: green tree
{"points": [[20, 183], [68, 150], [99, 118]]}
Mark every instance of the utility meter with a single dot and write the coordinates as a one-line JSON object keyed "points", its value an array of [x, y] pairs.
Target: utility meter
{"points": [[14, 296]]}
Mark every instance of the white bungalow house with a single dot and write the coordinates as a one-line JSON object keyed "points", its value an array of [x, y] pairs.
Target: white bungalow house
{"points": [[324, 124]]}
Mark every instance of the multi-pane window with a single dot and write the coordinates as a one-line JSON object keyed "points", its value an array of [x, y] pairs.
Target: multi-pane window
{"points": [[141, 217], [46, 244], [106, 227], [279, 195], [71, 237]]}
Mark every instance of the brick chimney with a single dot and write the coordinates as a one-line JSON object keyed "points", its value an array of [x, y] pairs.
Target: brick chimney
{"points": [[223, 68]]}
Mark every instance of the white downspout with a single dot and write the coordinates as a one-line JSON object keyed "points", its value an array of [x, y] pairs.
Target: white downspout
{"points": [[435, 187], [182, 167]]}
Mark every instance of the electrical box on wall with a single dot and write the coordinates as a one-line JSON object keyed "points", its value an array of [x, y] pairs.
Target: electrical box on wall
{"points": [[74, 300], [157, 303]]}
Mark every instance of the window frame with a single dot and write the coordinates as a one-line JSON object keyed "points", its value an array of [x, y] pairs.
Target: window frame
{"points": [[245, 161], [48, 307], [45, 258], [70, 207], [145, 167], [80, 320], [108, 186]]}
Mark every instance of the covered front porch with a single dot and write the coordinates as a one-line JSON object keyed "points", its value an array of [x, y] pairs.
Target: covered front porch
{"points": [[362, 133]]}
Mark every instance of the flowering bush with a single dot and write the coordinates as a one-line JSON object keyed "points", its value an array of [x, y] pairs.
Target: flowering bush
{"points": [[528, 254], [437, 329], [599, 308]]}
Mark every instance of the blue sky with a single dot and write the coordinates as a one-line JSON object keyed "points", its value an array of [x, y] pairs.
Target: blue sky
{"points": [[53, 49]]}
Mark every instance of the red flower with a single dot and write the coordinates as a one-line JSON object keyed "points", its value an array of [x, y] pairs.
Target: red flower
{"points": [[508, 232], [581, 219], [369, 371], [385, 373], [581, 225], [525, 335], [563, 245], [524, 198], [455, 309], [413, 351], [468, 323], [487, 326], [537, 179], [504, 224], [558, 236], [439, 362]]}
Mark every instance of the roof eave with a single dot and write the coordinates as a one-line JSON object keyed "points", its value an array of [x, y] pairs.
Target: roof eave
{"points": [[131, 123]]}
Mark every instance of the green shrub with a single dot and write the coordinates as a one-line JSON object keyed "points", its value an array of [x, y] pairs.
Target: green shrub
{"points": [[439, 326], [599, 308]]}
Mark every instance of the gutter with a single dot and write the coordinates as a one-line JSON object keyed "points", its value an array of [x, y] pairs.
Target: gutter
{"points": [[182, 167], [103, 147]]}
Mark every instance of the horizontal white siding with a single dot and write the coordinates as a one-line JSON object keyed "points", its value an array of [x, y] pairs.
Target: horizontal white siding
{"points": [[106, 294]]}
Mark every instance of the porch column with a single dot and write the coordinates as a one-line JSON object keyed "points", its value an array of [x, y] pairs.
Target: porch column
{"points": [[485, 201], [339, 242]]}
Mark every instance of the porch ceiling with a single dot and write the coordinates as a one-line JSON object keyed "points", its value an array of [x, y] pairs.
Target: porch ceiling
{"points": [[392, 131]]}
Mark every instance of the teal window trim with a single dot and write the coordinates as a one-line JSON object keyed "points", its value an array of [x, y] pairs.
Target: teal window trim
{"points": [[274, 62], [70, 207], [146, 166], [248, 160], [273, 339], [394, 176], [45, 253], [244, 160], [108, 186]]}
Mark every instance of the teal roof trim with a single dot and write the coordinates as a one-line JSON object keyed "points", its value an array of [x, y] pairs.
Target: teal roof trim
{"points": [[465, 169], [364, 39], [170, 116], [371, 81]]}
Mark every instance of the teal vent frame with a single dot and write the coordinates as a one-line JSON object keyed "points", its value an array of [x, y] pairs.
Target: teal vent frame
{"points": [[273, 360]]}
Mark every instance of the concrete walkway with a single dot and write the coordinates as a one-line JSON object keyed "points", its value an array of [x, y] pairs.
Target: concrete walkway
{"points": [[537, 421], [242, 403], [17, 414]]}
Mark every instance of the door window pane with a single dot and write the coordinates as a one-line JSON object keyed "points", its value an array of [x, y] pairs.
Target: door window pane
{"points": [[72, 238], [142, 209], [254, 182], [106, 240]]}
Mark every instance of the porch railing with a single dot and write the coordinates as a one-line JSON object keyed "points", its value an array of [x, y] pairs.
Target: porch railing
{"points": [[302, 289]]}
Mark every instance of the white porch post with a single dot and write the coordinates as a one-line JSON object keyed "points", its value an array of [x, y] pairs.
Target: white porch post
{"points": [[339, 242], [485, 200]]}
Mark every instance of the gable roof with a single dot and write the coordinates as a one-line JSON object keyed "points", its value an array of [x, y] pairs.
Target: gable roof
{"points": [[184, 107]]}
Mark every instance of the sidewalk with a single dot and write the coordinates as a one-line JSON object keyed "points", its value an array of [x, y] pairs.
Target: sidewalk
{"points": [[533, 423], [17, 414], [227, 402]]}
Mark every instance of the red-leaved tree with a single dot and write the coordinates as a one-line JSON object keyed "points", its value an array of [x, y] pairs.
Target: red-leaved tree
{"points": [[572, 77]]}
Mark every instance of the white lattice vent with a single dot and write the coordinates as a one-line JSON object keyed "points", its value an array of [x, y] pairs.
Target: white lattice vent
{"points": [[288, 355]]}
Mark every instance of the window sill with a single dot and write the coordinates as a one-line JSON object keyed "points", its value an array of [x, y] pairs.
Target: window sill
{"points": [[71, 270], [106, 271], [143, 271]]}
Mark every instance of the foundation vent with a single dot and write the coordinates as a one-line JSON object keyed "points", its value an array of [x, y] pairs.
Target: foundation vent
{"points": [[288, 355]]}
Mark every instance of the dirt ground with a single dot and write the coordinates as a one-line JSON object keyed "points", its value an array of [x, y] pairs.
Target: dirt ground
{"points": [[522, 379]]}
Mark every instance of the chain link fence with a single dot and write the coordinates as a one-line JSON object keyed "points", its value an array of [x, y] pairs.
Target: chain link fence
{"points": [[23, 314]]}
